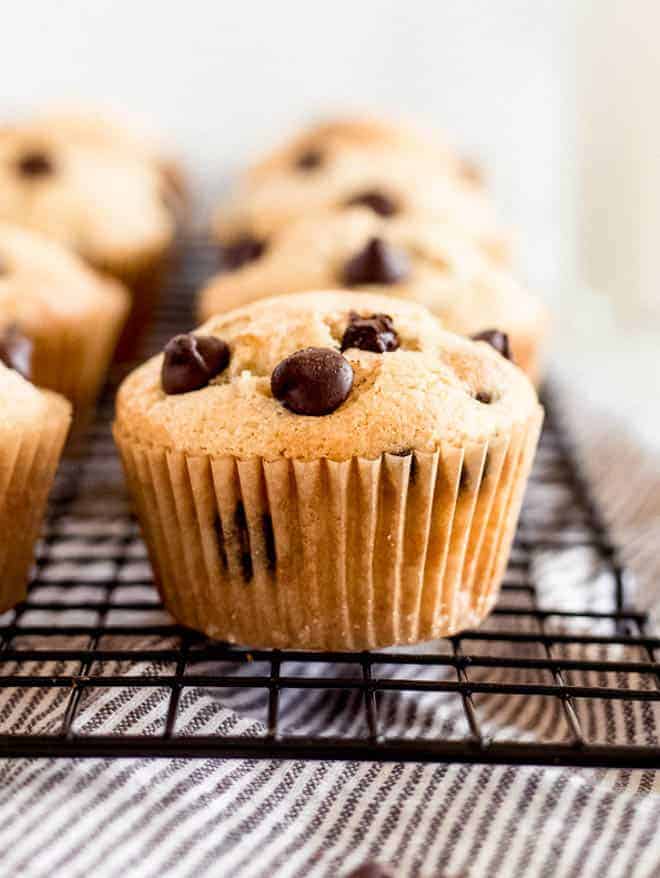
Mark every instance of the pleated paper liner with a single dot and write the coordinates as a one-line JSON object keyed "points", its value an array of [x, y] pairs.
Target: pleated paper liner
{"points": [[354, 554], [74, 359], [28, 461]]}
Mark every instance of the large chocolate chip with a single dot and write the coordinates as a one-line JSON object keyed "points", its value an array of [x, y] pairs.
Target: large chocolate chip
{"points": [[35, 164], [240, 252], [484, 397], [496, 339], [314, 381], [377, 263], [375, 333], [309, 160], [16, 351], [374, 200], [371, 870], [191, 361]]}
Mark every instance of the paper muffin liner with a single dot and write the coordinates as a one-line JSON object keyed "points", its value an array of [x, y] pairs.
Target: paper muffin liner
{"points": [[346, 555], [73, 359], [28, 461]]}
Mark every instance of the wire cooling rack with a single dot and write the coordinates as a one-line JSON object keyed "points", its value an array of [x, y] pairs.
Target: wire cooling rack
{"points": [[562, 672]]}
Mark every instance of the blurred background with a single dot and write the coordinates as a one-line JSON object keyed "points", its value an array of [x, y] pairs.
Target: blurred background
{"points": [[553, 97]]}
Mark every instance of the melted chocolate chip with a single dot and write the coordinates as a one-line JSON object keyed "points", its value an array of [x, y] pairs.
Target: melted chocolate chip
{"points": [[220, 534], [243, 537], [309, 160], [269, 540], [35, 164], [240, 252], [484, 397], [377, 263], [496, 339], [374, 200], [191, 361], [371, 870], [16, 351], [375, 333], [313, 381]]}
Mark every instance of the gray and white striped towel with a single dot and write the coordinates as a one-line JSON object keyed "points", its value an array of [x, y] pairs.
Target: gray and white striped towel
{"points": [[268, 819]]}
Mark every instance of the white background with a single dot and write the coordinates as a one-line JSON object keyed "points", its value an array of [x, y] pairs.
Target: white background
{"points": [[222, 80]]}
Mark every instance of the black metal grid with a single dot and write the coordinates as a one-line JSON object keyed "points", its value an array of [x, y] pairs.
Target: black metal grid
{"points": [[558, 674]]}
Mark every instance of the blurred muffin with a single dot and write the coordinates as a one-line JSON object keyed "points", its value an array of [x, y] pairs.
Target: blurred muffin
{"points": [[318, 147], [103, 128], [33, 428], [104, 203], [408, 257], [392, 184], [64, 315], [327, 470]]}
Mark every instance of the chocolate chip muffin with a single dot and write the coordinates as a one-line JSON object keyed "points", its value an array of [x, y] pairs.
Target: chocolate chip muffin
{"points": [[64, 317], [102, 128], [428, 262], [392, 185], [329, 470], [33, 428], [106, 204], [319, 146]]}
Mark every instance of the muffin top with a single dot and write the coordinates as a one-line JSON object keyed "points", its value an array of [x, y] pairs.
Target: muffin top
{"points": [[42, 284], [105, 203], [392, 185], [412, 258], [387, 374], [22, 404], [104, 129], [320, 145]]}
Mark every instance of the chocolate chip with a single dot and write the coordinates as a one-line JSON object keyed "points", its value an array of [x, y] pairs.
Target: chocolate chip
{"points": [[377, 263], [371, 870], [35, 164], [269, 540], [313, 381], [496, 339], [16, 351], [375, 333], [376, 201], [484, 397], [217, 527], [309, 160], [240, 252], [243, 536], [191, 361]]}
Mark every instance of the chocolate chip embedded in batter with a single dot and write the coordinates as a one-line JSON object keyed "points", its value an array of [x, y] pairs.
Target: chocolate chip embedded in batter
{"points": [[496, 339], [243, 537], [191, 361], [309, 160], [269, 540], [377, 263], [241, 251], [374, 200], [16, 351], [35, 163], [375, 333], [484, 397], [313, 381]]}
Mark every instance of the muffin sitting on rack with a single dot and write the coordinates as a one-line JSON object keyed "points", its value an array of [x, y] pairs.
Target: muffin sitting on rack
{"points": [[67, 315], [107, 203], [33, 428], [412, 258], [327, 470], [322, 172]]}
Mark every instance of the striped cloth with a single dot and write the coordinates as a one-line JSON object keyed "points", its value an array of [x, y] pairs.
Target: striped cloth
{"points": [[266, 819]]}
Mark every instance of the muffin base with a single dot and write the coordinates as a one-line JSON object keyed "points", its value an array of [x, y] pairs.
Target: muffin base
{"points": [[28, 461], [346, 555]]}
